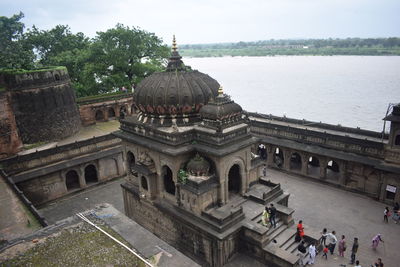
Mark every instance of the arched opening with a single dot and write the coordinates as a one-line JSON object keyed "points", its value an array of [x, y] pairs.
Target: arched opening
{"points": [[278, 157], [332, 170], [169, 184], [397, 140], [313, 166], [295, 162], [133, 109], [99, 115], [91, 174], [262, 151], [123, 112], [72, 180], [234, 179], [131, 161], [111, 113], [144, 183]]}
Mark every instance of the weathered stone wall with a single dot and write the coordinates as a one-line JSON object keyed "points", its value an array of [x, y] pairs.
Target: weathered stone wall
{"points": [[106, 108], [44, 104], [10, 143], [185, 236], [42, 175]]}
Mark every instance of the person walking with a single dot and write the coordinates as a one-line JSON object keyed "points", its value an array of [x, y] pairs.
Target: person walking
{"points": [[376, 240], [325, 252], [354, 250], [342, 246], [332, 241], [312, 252], [300, 229], [272, 215], [324, 235], [301, 252], [386, 214]]}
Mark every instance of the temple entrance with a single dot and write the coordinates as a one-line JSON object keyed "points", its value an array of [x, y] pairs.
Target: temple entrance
{"points": [[111, 113], [99, 115], [169, 184], [123, 111], [278, 157], [91, 174], [72, 180], [234, 179], [131, 161], [397, 140], [143, 181], [262, 151], [313, 166], [332, 170], [295, 162]]}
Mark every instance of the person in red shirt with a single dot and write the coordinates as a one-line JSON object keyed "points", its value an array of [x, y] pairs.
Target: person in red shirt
{"points": [[300, 229]]}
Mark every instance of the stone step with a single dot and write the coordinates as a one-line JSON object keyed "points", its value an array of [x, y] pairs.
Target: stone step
{"points": [[289, 242], [280, 229], [286, 236]]}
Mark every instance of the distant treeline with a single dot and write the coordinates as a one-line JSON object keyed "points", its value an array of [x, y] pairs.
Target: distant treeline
{"points": [[349, 46]]}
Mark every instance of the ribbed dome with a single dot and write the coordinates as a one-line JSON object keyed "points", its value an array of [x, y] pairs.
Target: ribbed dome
{"points": [[175, 92], [198, 166], [178, 92]]}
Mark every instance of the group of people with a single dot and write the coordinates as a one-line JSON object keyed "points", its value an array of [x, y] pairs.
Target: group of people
{"points": [[269, 216], [396, 214], [328, 243]]}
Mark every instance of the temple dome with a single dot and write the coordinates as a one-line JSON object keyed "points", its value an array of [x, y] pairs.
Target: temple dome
{"points": [[221, 108], [177, 92], [198, 166]]}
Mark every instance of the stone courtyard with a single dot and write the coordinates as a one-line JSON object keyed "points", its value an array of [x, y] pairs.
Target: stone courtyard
{"points": [[318, 205]]}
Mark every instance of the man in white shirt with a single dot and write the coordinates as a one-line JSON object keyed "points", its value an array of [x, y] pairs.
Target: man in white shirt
{"points": [[332, 241]]}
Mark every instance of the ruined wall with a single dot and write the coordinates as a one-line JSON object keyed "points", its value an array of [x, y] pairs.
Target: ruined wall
{"points": [[10, 143], [43, 103], [104, 108]]}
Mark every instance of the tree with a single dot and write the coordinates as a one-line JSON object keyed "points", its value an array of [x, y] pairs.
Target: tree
{"points": [[15, 52], [122, 56]]}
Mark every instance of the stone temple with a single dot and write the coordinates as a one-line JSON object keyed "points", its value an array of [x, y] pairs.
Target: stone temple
{"points": [[192, 179]]}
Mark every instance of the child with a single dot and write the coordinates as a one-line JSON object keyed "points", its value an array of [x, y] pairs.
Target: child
{"points": [[325, 251]]}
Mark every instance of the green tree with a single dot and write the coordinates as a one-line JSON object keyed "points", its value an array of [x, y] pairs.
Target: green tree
{"points": [[15, 52], [122, 56]]}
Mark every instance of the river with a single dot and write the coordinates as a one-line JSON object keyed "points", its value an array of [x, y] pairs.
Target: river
{"points": [[349, 90]]}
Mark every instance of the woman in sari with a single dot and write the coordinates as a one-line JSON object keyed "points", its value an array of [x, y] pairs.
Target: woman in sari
{"points": [[265, 217]]}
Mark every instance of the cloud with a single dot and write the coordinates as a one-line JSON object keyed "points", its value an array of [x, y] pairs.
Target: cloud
{"points": [[208, 21]]}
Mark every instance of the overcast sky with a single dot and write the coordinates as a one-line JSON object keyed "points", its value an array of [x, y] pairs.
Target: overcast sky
{"points": [[209, 21]]}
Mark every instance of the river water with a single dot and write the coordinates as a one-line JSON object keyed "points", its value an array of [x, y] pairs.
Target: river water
{"points": [[349, 90]]}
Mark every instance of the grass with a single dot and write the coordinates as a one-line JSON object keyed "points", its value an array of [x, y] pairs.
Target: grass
{"points": [[86, 98], [81, 245], [34, 145], [23, 71]]}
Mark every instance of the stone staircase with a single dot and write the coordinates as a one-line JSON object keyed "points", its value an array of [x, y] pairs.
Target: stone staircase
{"points": [[284, 251]]}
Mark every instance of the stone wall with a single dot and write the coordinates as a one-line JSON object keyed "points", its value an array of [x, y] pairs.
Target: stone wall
{"points": [[105, 108], [187, 237], [45, 175], [10, 143], [43, 103]]}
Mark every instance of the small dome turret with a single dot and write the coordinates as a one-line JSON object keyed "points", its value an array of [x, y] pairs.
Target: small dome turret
{"points": [[198, 166]]}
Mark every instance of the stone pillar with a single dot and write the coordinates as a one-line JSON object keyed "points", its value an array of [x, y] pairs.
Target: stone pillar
{"points": [[286, 159], [342, 174], [304, 164], [81, 173], [270, 156], [221, 198], [322, 168]]}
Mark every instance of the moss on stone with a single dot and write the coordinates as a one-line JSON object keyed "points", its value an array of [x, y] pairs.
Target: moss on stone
{"points": [[23, 71], [82, 245]]}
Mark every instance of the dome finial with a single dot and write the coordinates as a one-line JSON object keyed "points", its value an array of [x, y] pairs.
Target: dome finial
{"points": [[220, 91], [174, 46]]}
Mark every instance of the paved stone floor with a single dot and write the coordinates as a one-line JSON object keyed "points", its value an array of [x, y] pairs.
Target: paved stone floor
{"points": [[318, 205]]}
